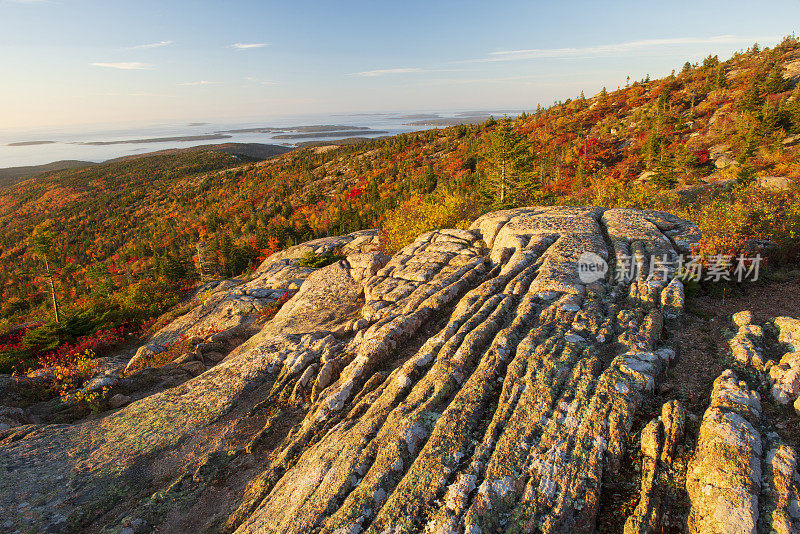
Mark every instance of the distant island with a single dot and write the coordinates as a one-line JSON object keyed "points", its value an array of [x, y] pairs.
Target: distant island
{"points": [[30, 143], [309, 129], [251, 151], [187, 138], [453, 121], [331, 134], [414, 116], [248, 151]]}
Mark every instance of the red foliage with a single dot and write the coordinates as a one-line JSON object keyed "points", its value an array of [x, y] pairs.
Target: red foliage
{"points": [[354, 193], [273, 245], [702, 156], [13, 340], [583, 150], [97, 342], [270, 311]]}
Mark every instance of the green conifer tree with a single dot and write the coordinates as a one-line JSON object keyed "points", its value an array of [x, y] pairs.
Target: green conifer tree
{"points": [[775, 82], [42, 242], [509, 161]]}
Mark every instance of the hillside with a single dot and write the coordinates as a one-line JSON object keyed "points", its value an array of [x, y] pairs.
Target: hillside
{"points": [[470, 383], [12, 175], [251, 151], [715, 143]]}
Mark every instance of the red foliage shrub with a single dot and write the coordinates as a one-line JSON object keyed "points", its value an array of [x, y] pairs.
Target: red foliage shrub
{"points": [[66, 354], [702, 156], [13, 340], [272, 310], [354, 193]]}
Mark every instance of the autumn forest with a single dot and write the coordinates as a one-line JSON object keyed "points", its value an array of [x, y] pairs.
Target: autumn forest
{"points": [[91, 255]]}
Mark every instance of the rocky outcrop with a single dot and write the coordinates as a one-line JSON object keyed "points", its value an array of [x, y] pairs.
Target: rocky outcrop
{"points": [[741, 480], [774, 354], [724, 477], [791, 140], [775, 183], [743, 477], [233, 306], [472, 383], [659, 443]]}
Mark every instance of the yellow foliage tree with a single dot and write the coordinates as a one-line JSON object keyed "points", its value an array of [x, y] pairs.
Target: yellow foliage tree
{"points": [[418, 215]]}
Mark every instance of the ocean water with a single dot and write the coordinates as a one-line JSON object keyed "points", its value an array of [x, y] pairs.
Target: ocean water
{"points": [[71, 143]]}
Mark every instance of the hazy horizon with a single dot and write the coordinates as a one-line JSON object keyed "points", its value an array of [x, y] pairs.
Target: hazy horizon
{"points": [[84, 62], [98, 143]]}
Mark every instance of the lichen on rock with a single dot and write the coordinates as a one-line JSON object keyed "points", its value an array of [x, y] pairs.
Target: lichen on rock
{"points": [[470, 383]]}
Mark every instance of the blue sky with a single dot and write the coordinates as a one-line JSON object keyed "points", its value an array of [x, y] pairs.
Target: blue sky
{"points": [[69, 62]]}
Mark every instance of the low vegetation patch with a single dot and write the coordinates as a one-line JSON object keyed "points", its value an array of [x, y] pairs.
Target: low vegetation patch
{"points": [[315, 261], [272, 310]]}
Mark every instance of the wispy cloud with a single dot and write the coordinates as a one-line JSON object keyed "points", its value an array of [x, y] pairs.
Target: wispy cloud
{"points": [[248, 46], [385, 72], [133, 94], [200, 82], [159, 44], [617, 48], [253, 79], [124, 65]]}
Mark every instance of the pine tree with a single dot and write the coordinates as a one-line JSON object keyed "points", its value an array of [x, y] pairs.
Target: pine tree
{"points": [[775, 82], [720, 80], [207, 262], [746, 174], [509, 160], [42, 242], [666, 175], [711, 62], [751, 99]]}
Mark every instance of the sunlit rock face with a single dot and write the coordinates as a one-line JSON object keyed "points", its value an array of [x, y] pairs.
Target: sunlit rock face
{"points": [[474, 382]]}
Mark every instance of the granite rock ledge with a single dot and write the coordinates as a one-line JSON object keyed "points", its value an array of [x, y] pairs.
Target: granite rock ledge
{"points": [[471, 384]]}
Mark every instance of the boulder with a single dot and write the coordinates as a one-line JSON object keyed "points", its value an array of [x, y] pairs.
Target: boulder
{"points": [[724, 476], [143, 355], [646, 176], [791, 140], [775, 183], [724, 161], [11, 417], [184, 358], [659, 441], [194, 368], [118, 401], [718, 150], [791, 71], [213, 357]]}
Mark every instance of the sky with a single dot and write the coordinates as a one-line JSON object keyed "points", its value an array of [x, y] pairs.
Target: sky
{"points": [[71, 62]]}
